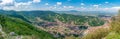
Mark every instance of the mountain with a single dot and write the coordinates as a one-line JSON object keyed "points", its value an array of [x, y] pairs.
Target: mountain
{"points": [[88, 13], [16, 27], [59, 25], [50, 16]]}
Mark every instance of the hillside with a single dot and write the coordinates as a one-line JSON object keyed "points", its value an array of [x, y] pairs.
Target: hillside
{"points": [[49, 16], [59, 25], [21, 28], [59, 19]]}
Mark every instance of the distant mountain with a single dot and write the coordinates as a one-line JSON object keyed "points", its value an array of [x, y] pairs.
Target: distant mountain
{"points": [[73, 10], [88, 13], [49, 16]]}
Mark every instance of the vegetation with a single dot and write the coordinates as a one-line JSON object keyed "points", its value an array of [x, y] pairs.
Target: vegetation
{"points": [[97, 34], [18, 22], [115, 28], [21, 27], [52, 16], [77, 20], [112, 33], [65, 18], [96, 22]]}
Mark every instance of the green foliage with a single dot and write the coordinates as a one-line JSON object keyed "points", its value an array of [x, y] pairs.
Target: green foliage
{"points": [[97, 34], [113, 35], [115, 28], [21, 27], [1, 37], [67, 18], [96, 22], [78, 20], [51, 16]]}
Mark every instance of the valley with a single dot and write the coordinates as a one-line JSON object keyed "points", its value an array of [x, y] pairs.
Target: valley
{"points": [[59, 19], [61, 25]]}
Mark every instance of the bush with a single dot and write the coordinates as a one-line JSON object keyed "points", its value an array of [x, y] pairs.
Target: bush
{"points": [[97, 34]]}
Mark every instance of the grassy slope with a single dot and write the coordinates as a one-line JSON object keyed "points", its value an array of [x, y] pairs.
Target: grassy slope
{"points": [[65, 18], [114, 28], [112, 33], [21, 27]]}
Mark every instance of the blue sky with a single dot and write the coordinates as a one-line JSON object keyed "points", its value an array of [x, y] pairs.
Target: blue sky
{"points": [[61, 5]]}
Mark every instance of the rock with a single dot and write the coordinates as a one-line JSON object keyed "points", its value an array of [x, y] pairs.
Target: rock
{"points": [[12, 33]]}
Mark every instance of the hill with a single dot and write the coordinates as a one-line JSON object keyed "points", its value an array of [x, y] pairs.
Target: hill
{"points": [[88, 13], [59, 25], [21, 28], [49, 16]]}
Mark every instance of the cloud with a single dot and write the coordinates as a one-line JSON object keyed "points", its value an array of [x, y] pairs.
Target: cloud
{"points": [[23, 4], [116, 7], [96, 6], [106, 2], [82, 4], [7, 2], [46, 3], [110, 9], [59, 3], [13, 5], [70, 6], [19, 6], [64, 6], [36, 1]]}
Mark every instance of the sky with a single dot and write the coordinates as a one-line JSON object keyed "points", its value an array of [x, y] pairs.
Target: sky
{"points": [[61, 5]]}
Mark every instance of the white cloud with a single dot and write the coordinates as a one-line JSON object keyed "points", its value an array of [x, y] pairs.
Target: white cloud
{"points": [[27, 6], [23, 4], [18, 6], [106, 2], [13, 5], [81, 7], [64, 6], [96, 6], [36, 1], [82, 4], [116, 7], [46, 3], [54, 7], [70, 6], [6, 2], [111, 9], [59, 3]]}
